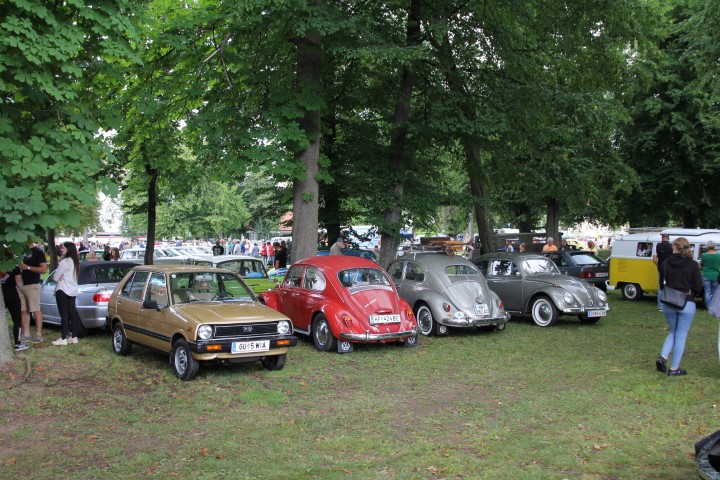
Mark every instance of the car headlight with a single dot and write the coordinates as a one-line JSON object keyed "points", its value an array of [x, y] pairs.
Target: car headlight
{"points": [[283, 327], [567, 297], [204, 332], [601, 295]]}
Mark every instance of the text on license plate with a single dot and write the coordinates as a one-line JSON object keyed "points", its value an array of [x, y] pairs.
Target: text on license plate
{"points": [[596, 313], [601, 274], [250, 347], [481, 309], [378, 319]]}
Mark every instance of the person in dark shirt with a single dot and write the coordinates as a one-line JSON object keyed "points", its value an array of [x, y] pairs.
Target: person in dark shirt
{"points": [[12, 303], [218, 249], [280, 256], [663, 250], [34, 265], [107, 255], [680, 272]]}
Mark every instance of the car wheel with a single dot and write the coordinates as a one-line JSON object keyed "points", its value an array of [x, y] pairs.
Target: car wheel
{"points": [[323, 337], [632, 291], [121, 345], [544, 313], [184, 366], [586, 319], [275, 362], [425, 321], [500, 327]]}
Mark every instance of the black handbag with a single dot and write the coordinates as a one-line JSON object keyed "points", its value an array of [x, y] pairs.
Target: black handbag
{"points": [[670, 296]]}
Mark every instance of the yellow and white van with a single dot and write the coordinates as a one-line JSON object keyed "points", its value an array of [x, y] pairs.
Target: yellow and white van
{"points": [[631, 267]]}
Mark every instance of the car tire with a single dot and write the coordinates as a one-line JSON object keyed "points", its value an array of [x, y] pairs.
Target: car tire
{"points": [[184, 366], [500, 326], [426, 322], [632, 291], [274, 362], [544, 313], [121, 345], [323, 337]]}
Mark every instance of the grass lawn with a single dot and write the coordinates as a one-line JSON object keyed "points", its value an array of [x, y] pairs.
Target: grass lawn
{"points": [[572, 401]]}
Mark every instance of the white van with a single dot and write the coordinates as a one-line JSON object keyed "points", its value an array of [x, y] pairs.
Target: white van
{"points": [[631, 267]]}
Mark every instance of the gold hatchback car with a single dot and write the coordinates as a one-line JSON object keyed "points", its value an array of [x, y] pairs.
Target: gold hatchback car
{"points": [[196, 314]]}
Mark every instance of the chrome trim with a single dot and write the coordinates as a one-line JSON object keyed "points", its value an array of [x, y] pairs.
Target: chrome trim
{"points": [[377, 337]]}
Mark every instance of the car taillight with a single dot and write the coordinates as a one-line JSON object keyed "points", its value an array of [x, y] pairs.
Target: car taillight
{"points": [[102, 296], [586, 275], [410, 314]]}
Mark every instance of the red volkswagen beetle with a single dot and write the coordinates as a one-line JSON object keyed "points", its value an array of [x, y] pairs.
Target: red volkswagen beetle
{"points": [[341, 300]]}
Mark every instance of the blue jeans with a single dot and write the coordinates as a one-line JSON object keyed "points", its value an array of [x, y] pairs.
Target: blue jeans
{"points": [[679, 322], [660, 305], [710, 287]]}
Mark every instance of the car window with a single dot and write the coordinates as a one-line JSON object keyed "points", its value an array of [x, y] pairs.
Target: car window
{"points": [[294, 277], [414, 272], [503, 268], [245, 268], [203, 263], [104, 274], [189, 287], [358, 279], [157, 290], [587, 259], [395, 270], [314, 280], [644, 249], [460, 270], [539, 265], [135, 286]]}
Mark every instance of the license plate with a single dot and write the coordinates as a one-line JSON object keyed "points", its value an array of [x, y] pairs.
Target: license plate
{"points": [[596, 313], [251, 347], [380, 319], [481, 309], [601, 274]]}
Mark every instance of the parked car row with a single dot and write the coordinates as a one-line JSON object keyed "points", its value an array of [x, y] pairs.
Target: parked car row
{"points": [[208, 312]]}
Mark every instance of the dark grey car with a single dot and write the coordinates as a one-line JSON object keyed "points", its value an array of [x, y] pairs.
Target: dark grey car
{"points": [[96, 282], [581, 264], [532, 284], [446, 291]]}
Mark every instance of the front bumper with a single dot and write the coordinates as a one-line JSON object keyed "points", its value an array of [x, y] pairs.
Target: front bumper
{"points": [[222, 348], [474, 322], [377, 337], [583, 310]]}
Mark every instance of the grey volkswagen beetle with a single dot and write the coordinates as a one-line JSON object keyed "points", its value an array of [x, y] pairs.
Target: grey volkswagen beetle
{"points": [[532, 284], [446, 291]]}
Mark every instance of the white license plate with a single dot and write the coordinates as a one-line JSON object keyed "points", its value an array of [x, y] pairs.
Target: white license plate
{"points": [[251, 347], [379, 319], [596, 313], [601, 274], [481, 309]]}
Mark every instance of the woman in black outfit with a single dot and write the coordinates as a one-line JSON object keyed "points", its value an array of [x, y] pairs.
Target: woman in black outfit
{"points": [[682, 273]]}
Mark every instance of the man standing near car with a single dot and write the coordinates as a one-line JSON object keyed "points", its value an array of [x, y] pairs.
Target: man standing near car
{"points": [[663, 250], [337, 247], [32, 267]]}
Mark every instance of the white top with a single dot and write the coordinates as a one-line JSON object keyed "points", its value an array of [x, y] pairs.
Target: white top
{"points": [[65, 277]]}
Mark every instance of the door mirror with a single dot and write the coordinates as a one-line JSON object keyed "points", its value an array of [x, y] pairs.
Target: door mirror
{"points": [[151, 305]]}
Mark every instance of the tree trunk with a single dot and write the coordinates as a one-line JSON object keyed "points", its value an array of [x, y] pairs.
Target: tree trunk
{"points": [[151, 214], [305, 190], [552, 228], [6, 349], [480, 205], [392, 218], [52, 251], [330, 215]]}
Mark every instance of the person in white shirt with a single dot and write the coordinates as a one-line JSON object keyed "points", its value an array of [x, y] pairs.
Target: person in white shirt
{"points": [[66, 290]]}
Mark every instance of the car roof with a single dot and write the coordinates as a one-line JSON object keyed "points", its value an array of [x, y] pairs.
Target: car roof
{"points": [[224, 258], [168, 268], [440, 260], [337, 262], [518, 256]]}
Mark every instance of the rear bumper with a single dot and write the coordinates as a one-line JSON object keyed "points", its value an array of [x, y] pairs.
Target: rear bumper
{"points": [[377, 337]]}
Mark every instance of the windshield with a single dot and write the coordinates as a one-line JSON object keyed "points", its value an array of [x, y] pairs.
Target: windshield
{"points": [[587, 259], [187, 287], [357, 279], [245, 268], [534, 266]]}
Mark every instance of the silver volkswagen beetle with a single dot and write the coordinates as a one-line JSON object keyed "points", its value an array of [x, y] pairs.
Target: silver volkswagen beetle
{"points": [[532, 284], [446, 291]]}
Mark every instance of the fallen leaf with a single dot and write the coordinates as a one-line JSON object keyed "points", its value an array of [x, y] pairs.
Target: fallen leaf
{"points": [[292, 422], [219, 456], [203, 451], [10, 461]]}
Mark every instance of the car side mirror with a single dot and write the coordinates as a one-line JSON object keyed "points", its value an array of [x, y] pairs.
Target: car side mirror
{"points": [[151, 305]]}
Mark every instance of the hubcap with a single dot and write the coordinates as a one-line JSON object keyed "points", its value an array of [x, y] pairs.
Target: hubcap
{"points": [[322, 333], [181, 360], [425, 320], [543, 312], [117, 340]]}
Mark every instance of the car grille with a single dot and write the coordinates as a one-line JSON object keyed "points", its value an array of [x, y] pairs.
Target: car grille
{"points": [[246, 330]]}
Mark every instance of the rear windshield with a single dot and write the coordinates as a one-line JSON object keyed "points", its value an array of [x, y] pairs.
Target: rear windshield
{"points": [[587, 259], [104, 274], [357, 279], [461, 270]]}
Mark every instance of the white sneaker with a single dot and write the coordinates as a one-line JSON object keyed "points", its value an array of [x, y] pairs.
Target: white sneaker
{"points": [[72, 340], [59, 342]]}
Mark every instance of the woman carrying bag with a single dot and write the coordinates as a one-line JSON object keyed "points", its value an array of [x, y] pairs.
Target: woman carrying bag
{"points": [[679, 273], [66, 290]]}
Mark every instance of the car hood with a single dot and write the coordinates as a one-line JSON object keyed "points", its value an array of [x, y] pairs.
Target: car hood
{"points": [[374, 301], [228, 312], [466, 294], [579, 288]]}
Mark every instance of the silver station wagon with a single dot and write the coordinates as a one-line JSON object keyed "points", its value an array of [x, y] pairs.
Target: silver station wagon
{"points": [[532, 284], [446, 291]]}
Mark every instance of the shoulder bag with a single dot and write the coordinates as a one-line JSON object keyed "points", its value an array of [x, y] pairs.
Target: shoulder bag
{"points": [[671, 296]]}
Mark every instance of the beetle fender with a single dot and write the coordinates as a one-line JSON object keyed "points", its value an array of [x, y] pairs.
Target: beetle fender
{"points": [[269, 298]]}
